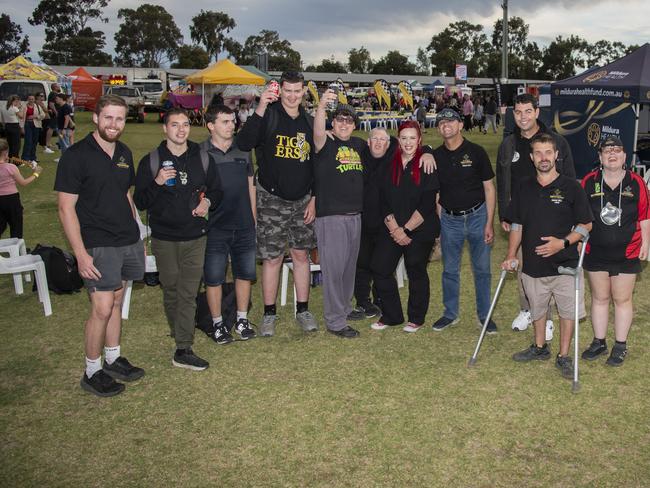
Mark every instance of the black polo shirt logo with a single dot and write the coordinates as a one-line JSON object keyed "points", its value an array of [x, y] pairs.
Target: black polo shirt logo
{"points": [[466, 162], [627, 192], [121, 163], [556, 196]]}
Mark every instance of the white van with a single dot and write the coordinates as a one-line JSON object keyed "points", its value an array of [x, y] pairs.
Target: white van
{"points": [[151, 89], [23, 88]]}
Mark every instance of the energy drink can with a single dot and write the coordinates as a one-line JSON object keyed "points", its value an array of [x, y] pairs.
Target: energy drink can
{"points": [[274, 86], [167, 165], [332, 105]]}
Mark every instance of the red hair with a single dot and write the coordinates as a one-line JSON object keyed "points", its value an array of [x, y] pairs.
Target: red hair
{"points": [[397, 165]]}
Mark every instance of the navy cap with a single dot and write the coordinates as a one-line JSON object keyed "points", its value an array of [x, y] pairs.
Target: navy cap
{"points": [[612, 141], [447, 114]]}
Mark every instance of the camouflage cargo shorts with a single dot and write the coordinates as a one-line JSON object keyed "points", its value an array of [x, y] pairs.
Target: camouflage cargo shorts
{"points": [[281, 225]]}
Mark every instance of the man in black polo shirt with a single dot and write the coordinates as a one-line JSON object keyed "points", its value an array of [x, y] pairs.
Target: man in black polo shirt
{"points": [[514, 164], [178, 188], [97, 214], [466, 208], [231, 225], [549, 213], [281, 134]]}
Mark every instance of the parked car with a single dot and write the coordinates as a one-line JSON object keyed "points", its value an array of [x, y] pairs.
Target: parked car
{"points": [[133, 97]]}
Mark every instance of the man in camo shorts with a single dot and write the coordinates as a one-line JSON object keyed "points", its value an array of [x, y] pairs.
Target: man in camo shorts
{"points": [[282, 136]]}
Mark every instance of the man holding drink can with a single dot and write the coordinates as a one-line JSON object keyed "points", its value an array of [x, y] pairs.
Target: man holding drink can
{"points": [[282, 136]]}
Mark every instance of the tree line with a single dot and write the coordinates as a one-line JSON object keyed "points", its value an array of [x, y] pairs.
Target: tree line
{"points": [[149, 37]]}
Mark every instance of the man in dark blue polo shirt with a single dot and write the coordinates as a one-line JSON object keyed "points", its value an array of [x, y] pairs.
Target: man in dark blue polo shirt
{"points": [[231, 225], [97, 213], [466, 208]]}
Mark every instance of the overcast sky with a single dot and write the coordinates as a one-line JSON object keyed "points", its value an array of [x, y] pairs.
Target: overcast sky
{"points": [[331, 27]]}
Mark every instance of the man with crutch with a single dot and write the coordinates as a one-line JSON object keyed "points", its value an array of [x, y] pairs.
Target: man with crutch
{"points": [[550, 215]]}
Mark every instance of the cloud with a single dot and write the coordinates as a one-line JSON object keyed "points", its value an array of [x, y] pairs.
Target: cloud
{"points": [[320, 29]]}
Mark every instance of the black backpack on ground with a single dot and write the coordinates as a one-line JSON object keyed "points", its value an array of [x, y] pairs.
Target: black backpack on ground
{"points": [[203, 318], [60, 268]]}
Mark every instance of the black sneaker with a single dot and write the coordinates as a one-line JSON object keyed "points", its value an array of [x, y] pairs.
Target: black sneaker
{"points": [[347, 332], [101, 384], [533, 353], [491, 327], [244, 329], [185, 358], [443, 322], [617, 356], [565, 365], [595, 350], [122, 369], [357, 313], [221, 334], [370, 309]]}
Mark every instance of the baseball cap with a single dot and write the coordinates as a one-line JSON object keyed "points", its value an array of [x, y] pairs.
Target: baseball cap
{"points": [[611, 141], [447, 114]]}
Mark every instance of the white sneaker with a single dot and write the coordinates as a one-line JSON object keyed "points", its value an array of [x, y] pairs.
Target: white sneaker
{"points": [[411, 328], [48, 150], [378, 326], [549, 330], [56, 160], [522, 321]]}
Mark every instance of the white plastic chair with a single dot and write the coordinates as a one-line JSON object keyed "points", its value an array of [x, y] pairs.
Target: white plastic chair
{"points": [[365, 125], [15, 247], [286, 268], [149, 267], [21, 264]]}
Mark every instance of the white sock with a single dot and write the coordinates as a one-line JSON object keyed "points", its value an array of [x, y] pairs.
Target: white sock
{"points": [[111, 354], [93, 365], [242, 315], [216, 320]]}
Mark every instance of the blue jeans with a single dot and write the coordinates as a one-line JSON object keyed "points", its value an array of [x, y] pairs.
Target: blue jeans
{"points": [[31, 141], [454, 231], [64, 139], [239, 245]]}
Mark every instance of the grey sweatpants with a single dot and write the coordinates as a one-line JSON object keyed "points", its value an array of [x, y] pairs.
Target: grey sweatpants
{"points": [[338, 248]]}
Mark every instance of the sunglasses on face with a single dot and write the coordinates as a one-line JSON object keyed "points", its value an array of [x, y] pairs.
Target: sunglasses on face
{"points": [[344, 119], [612, 150]]}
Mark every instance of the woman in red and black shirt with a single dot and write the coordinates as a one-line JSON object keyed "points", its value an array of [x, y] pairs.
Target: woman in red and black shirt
{"points": [[619, 240]]}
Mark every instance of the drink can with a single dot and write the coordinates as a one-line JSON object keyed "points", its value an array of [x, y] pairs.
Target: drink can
{"points": [[274, 86], [332, 105], [168, 165]]}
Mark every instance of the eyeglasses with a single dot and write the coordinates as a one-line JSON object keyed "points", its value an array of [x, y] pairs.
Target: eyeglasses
{"points": [[344, 119], [379, 139], [612, 150]]}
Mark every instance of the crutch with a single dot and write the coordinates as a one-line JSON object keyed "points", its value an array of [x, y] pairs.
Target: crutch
{"points": [[576, 272], [502, 278]]}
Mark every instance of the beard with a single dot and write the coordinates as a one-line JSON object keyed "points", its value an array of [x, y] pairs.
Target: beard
{"points": [[105, 136]]}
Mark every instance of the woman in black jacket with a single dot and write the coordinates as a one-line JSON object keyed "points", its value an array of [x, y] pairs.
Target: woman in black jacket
{"points": [[408, 202]]}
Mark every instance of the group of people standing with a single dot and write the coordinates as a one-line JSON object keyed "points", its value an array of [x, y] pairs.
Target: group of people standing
{"points": [[365, 204]]}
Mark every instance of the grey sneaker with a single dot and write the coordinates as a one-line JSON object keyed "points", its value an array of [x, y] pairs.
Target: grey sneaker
{"points": [[533, 353], [267, 329], [565, 365], [307, 321]]}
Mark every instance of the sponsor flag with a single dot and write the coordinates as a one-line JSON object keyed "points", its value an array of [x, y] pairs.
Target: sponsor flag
{"points": [[382, 90], [313, 91], [343, 98], [407, 93]]}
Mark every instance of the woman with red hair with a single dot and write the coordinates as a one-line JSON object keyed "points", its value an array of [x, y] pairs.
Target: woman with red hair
{"points": [[408, 202]]}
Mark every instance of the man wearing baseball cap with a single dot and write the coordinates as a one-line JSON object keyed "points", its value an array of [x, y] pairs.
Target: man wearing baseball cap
{"points": [[466, 209]]}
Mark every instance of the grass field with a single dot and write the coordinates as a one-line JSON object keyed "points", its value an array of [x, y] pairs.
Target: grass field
{"points": [[389, 409]]}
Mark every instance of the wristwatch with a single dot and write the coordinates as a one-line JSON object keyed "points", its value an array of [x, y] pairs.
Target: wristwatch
{"points": [[408, 232]]}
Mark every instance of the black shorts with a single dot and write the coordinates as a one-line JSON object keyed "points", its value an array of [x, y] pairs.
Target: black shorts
{"points": [[614, 268]]}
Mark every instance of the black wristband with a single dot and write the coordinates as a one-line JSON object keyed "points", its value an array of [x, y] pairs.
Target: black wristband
{"points": [[408, 232], [567, 243]]}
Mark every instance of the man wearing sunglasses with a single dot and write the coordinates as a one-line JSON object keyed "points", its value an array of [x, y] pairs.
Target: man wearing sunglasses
{"points": [[282, 136], [338, 186]]}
